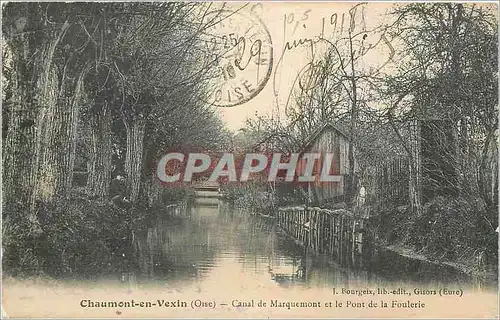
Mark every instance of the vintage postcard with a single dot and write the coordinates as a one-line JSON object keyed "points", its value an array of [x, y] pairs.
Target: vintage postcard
{"points": [[250, 160]]}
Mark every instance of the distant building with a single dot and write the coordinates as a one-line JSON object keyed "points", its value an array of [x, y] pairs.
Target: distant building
{"points": [[327, 139]]}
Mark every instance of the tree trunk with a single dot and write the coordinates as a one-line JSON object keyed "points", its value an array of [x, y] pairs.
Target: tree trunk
{"points": [[31, 88], [19, 142], [151, 185], [415, 168], [351, 178], [99, 178], [133, 159], [155, 191], [57, 140], [488, 169]]}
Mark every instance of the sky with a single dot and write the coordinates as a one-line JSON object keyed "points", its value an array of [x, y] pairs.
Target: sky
{"points": [[294, 23]]}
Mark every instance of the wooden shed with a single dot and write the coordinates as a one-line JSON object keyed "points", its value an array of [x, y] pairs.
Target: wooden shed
{"points": [[328, 139]]}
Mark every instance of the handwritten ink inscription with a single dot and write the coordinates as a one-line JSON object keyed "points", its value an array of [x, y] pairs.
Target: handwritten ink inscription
{"points": [[327, 34]]}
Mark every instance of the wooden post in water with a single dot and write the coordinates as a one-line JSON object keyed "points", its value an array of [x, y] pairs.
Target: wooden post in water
{"points": [[325, 231], [332, 234]]}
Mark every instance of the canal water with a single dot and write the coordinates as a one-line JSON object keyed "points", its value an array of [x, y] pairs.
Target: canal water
{"points": [[213, 241]]}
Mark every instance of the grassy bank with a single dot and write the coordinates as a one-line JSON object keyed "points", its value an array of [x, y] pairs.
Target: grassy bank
{"points": [[252, 196], [80, 236], [452, 231], [263, 197]]}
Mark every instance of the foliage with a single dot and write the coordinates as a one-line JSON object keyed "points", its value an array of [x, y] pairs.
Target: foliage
{"points": [[447, 69], [18, 244], [81, 236], [264, 197], [250, 195], [174, 194], [451, 229]]}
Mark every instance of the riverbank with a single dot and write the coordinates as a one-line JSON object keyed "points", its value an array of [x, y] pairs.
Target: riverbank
{"points": [[451, 231], [81, 235], [468, 267]]}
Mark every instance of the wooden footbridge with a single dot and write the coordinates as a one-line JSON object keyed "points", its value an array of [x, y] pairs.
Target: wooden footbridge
{"points": [[207, 189]]}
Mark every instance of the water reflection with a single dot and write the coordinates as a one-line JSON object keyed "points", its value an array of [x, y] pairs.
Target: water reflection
{"points": [[212, 241]]}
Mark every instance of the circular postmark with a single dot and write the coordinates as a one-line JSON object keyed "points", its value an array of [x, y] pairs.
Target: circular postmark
{"points": [[240, 47]]}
